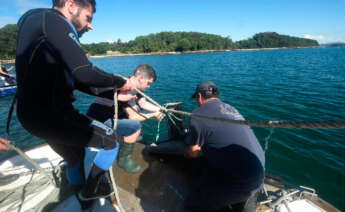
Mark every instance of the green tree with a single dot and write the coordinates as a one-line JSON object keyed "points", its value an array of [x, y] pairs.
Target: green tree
{"points": [[8, 41], [275, 40], [183, 45]]}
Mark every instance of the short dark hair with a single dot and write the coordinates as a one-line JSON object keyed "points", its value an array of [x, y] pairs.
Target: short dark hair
{"points": [[210, 94], [207, 89], [81, 3], [145, 70]]}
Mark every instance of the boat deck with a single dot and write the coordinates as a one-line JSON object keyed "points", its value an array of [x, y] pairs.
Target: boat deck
{"points": [[161, 185]]}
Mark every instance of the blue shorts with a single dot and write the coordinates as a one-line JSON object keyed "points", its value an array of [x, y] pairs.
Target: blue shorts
{"points": [[126, 127]]}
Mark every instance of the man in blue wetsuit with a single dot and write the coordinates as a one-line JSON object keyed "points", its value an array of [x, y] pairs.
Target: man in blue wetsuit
{"points": [[50, 66]]}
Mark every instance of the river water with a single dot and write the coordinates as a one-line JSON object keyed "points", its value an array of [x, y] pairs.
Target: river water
{"points": [[293, 84]]}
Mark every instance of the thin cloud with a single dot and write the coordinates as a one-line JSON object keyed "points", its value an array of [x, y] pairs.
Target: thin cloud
{"points": [[4, 20], [315, 37], [324, 39], [25, 5]]}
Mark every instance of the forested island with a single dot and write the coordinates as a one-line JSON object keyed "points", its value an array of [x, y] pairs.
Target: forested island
{"points": [[168, 42], [8, 41]]}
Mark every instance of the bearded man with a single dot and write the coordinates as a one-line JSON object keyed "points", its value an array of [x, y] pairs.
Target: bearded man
{"points": [[50, 66]]}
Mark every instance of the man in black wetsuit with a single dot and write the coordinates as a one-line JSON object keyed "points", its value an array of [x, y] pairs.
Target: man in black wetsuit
{"points": [[50, 66]]}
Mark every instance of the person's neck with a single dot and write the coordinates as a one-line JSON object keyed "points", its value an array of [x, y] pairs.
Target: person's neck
{"points": [[134, 81], [64, 12], [204, 101]]}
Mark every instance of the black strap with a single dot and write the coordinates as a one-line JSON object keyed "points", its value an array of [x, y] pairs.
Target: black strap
{"points": [[9, 117]]}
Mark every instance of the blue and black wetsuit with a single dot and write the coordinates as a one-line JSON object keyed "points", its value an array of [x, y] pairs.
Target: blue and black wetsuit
{"points": [[50, 66]]}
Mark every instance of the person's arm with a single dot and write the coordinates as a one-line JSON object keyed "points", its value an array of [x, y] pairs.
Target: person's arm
{"points": [[125, 97], [3, 72], [193, 151], [2, 144], [197, 140], [107, 92], [60, 39], [147, 105], [133, 114], [10, 69]]}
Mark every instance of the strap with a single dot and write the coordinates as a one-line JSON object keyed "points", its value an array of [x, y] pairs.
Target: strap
{"points": [[9, 117]]}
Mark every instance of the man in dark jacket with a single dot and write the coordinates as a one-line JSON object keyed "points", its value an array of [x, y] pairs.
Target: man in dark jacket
{"points": [[50, 66], [233, 168]]}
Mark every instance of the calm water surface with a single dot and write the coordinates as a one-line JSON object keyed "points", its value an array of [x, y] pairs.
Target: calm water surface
{"points": [[299, 84]]}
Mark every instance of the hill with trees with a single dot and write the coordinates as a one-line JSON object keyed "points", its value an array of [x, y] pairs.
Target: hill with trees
{"points": [[164, 42], [275, 40], [168, 42], [8, 41]]}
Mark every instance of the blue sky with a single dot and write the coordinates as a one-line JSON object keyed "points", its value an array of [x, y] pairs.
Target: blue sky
{"points": [[323, 20]]}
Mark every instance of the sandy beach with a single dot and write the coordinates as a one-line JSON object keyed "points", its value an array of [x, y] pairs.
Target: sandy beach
{"points": [[191, 52], [174, 53]]}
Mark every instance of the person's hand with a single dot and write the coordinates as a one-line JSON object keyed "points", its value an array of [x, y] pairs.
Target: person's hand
{"points": [[125, 97], [128, 86], [2, 144], [159, 116]]}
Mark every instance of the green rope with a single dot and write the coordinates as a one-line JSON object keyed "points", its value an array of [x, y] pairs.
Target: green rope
{"points": [[267, 139], [171, 118], [158, 131]]}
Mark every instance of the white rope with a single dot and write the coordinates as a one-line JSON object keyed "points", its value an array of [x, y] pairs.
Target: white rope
{"points": [[38, 167], [118, 207]]}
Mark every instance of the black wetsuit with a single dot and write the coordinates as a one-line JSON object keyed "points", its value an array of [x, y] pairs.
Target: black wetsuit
{"points": [[50, 65]]}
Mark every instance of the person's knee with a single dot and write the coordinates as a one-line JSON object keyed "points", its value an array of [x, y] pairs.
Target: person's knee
{"points": [[134, 126], [137, 125], [133, 137], [128, 127], [136, 133]]}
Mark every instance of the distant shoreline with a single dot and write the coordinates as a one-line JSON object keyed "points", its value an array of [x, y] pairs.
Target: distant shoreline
{"points": [[177, 53], [193, 52], [5, 62]]}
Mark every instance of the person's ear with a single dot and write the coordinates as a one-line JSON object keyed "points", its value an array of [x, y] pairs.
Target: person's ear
{"points": [[71, 7], [199, 96]]}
